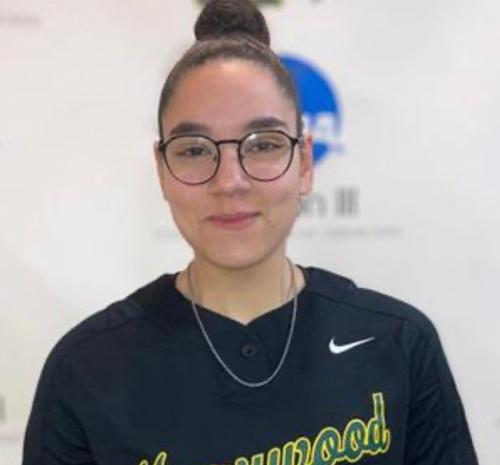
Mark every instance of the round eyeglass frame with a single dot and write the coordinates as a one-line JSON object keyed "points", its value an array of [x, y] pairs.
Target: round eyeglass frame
{"points": [[161, 145]]}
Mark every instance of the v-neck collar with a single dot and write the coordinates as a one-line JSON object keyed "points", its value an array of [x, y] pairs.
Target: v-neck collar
{"points": [[207, 314], [169, 311]]}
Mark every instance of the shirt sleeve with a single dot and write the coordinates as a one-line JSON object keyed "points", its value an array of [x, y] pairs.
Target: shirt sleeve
{"points": [[437, 433], [54, 435]]}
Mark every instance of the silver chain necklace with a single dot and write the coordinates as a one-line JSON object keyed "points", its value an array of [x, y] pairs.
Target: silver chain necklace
{"points": [[219, 358]]}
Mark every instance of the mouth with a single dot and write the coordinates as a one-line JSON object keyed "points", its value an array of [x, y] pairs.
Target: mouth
{"points": [[238, 220]]}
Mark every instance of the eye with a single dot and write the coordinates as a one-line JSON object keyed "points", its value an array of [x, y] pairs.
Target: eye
{"points": [[263, 144], [193, 151], [191, 148]]}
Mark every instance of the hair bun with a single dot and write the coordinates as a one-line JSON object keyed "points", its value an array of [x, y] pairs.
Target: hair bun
{"points": [[221, 17]]}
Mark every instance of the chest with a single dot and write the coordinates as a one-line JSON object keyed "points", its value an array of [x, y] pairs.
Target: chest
{"points": [[336, 398]]}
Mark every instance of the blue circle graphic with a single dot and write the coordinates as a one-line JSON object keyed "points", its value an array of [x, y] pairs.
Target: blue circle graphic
{"points": [[320, 107]]}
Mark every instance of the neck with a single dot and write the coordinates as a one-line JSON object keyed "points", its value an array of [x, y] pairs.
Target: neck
{"points": [[241, 294]]}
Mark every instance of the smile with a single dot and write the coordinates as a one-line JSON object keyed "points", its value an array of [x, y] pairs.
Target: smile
{"points": [[240, 220]]}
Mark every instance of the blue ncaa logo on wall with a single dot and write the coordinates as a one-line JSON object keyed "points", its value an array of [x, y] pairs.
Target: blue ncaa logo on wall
{"points": [[320, 106]]}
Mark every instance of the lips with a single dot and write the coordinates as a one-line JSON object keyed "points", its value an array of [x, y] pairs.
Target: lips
{"points": [[233, 216], [237, 220]]}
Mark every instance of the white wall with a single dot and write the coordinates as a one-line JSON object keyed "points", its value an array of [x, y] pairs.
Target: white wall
{"points": [[82, 221]]}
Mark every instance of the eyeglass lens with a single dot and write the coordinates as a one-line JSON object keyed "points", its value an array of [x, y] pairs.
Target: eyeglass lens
{"points": [[264, 156]]}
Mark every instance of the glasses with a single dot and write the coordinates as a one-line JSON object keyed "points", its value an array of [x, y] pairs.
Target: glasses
{"points": [[195, 159]]}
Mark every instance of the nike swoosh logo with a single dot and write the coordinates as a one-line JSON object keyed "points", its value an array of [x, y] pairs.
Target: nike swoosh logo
{"points": [[338, 349]]}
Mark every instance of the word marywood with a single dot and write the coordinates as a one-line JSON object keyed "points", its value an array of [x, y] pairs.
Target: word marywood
{"points": [[329, 447]]}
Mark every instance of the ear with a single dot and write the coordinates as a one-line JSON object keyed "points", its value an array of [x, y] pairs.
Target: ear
{"points": [[306, 165], [161, 170]]}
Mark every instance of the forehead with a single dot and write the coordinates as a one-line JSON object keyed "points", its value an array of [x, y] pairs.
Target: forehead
{"points": [[225, 95]]}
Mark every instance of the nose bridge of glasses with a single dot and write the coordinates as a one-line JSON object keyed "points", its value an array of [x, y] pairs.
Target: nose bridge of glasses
{"points": [[236, 142], [229, 163]]}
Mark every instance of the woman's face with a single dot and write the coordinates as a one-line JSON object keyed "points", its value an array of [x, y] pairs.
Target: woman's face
{"points": [[234, 221]]}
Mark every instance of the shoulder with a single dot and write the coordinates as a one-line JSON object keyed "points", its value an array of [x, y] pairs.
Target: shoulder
{"points": [[97, 348], [369, 304], [116, 321]]}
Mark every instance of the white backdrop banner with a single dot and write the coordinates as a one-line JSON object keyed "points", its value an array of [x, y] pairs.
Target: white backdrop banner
{"points": [[403, 100]]}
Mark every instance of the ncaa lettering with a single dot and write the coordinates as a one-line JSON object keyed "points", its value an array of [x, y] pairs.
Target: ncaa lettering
{"points": [[329, 447]]}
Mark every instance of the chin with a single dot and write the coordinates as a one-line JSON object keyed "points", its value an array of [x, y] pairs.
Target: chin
{"points": [[235, 260], [233, 252], [237, 256]]}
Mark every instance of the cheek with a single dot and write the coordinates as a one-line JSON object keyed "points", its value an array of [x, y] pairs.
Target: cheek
{"points": [[186, 224], [184, 206], [284, 201]]}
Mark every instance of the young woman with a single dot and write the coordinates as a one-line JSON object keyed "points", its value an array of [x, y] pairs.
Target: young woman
{"points": [[243, 357]]}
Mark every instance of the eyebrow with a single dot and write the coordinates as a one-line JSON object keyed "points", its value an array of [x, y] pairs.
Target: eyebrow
{"points": [[268, 122], [186, 127], [191, 127]]}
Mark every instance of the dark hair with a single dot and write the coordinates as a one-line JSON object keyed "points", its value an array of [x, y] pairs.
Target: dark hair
{"points": [[230, 29]]}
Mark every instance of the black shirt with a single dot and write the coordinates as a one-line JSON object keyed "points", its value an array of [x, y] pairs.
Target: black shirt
{"points": [[365, 381]]}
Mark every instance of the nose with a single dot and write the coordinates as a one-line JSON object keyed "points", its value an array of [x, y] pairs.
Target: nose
{"points": [[230, 177]]}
